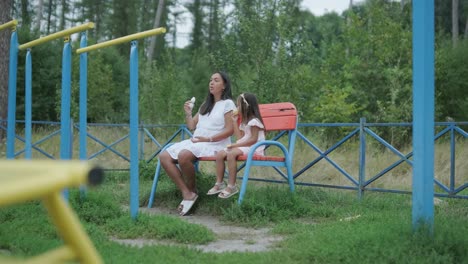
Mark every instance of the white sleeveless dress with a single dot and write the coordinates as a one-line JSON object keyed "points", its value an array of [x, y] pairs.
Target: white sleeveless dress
{"points": [[208, 125], [248, 133]]}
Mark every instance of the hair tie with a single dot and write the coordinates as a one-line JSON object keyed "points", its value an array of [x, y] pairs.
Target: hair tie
{"points": [[243, 98]]}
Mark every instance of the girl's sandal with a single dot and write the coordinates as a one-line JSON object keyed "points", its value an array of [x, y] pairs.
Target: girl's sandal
{"points": [[228, 192], [217, 188]]}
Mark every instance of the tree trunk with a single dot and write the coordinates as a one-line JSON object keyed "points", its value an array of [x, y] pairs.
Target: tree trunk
{"points": [[213, 27], [348, 23], [454, 22], [4, 62], [49, 17], [466, 29], [40, 6], [197, 32], [62, 15], [157, 20], [25, 16]]}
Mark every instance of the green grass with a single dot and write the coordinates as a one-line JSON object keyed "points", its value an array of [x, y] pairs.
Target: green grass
{"points": [[311, 220]]}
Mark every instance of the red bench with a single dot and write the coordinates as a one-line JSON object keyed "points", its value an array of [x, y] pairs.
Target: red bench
{"points": [[281, 117]]}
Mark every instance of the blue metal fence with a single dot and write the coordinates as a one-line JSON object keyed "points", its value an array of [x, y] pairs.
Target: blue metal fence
{"points": [[150, 144]]}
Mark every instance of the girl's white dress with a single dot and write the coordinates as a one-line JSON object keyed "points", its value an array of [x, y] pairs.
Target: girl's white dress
{"points": [[208, 125], [248, 133]]}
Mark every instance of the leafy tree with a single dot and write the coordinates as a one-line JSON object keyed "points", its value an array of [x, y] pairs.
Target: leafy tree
{"points": [[452, 82], [197, 32]]}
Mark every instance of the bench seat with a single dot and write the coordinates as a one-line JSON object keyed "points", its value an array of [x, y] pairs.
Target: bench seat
{"points": [[244, 158]]}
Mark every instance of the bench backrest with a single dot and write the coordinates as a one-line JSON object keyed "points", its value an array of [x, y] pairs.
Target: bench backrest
{"points": [[279, 116]]}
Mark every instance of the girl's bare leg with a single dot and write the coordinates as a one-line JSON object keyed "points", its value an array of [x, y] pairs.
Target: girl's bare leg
{"points": [[220, 166], [232, 165]]}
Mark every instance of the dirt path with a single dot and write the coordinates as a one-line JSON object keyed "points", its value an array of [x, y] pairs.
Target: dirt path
{"points": [[228, 238]]}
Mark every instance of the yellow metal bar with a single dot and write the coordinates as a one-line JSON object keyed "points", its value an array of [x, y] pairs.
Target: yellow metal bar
{"points": [[59, 255], [23, 180], [12, 24], [70, 229], [125, 39], [57, 35]]}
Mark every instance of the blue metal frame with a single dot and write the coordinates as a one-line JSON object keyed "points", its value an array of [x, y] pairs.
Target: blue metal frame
{"points": [[134, 201], [28, 106], [288, 154], [157, 172], [359, 182], [423, 114], [83, 98], [65, 120], [12, 74]]}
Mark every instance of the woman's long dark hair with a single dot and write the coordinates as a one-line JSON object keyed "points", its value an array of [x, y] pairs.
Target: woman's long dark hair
{"points": [[209, 103]]}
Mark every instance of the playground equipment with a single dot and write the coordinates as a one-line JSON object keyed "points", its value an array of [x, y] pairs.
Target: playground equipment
{"points": [[65, 119], [24, 180], [134, 172], [65, 142]]}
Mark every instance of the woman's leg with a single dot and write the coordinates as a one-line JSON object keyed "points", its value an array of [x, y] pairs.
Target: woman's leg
{"points": [[169, 165], [186, 159]]}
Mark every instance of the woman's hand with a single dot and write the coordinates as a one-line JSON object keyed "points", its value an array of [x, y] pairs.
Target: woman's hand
{"points": [[187, 108], [201, 139]]}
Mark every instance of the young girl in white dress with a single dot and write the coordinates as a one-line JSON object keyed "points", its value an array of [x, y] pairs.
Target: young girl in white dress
{"points": [[250, 131]]}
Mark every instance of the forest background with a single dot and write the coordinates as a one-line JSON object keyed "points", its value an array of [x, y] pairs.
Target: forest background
{"points": [[333, 67]]}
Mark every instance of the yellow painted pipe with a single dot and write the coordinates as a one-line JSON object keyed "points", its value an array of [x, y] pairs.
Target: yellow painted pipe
{"points": [[60, 255], [12, 24], [23, 180], [71, 230], [60, 34], [125, 39]]}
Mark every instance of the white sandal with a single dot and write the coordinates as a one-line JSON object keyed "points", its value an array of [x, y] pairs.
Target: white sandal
{"points": [[217, 188], [186, 205], [228, 192]]}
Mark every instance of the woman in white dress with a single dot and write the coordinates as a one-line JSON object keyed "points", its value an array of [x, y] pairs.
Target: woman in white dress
{"points": [[213, 129]]}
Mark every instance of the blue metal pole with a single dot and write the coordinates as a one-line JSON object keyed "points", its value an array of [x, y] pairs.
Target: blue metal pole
{"points": [[452, 158], [65, 122], [83, 104], [65, 136], [28, 107], [423, 114], [83, 98], [13, 67], [142, 142], [134, 203], [362, 156]]}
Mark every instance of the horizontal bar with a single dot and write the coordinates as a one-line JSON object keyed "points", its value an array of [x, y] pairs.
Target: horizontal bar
{"points": [[327, 124], [11, 24], [57, 35], [457, 124], [24, 180], [121, 40], [55, 255]]}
